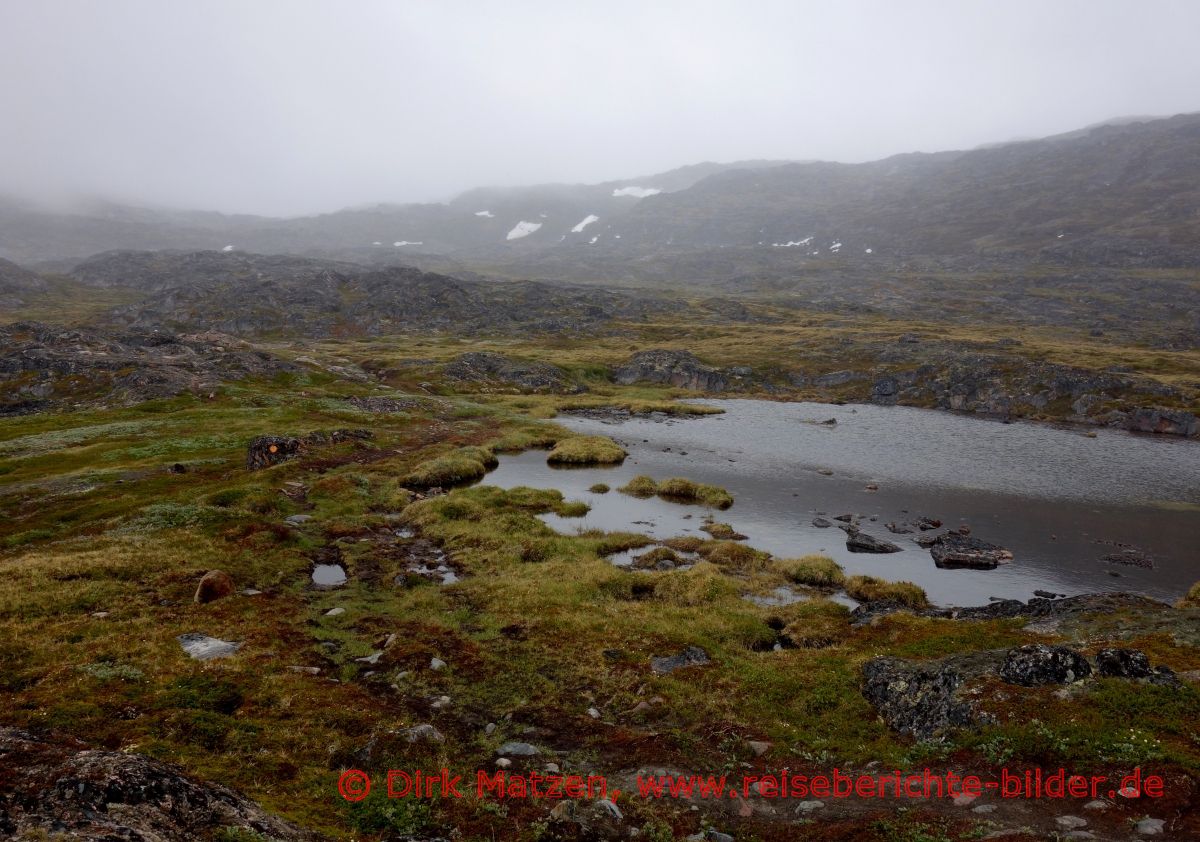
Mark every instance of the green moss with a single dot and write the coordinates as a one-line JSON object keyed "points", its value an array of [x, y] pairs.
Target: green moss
{"points": [[599, 488], [587, 450]]}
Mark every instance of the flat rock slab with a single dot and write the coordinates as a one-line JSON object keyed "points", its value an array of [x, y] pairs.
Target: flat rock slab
{"points": [[693, 656], [953, 550], [205, 648]]}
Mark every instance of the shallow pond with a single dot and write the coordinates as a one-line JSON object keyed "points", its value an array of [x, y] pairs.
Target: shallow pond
{"points": [[1055, 497]]}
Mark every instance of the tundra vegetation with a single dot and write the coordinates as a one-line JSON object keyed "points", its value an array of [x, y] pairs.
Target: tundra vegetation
{"points": [[110, 515]]}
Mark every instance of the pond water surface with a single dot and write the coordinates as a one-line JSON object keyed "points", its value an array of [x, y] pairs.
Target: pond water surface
{"points": [[1056, 498]]}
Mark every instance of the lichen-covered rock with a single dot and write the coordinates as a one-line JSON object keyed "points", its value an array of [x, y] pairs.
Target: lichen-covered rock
{"points": [[1037, 664], [1122, 663], [916, 699], [52, 787]]}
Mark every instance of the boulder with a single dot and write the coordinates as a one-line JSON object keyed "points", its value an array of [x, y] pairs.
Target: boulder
{"points": [[1175, 422], [954, 550], [676, 368], [1122, 663], [1037, 664], [58, 787], [265, 451], [916, 699], [214, 585], [861, 542]]}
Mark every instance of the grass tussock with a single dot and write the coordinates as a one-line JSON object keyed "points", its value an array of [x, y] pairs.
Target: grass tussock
{"points": [[1192, 597], [587, 450], [679, 490], [599, 488], [817, 571], [817, 625], [734, 556], [870, 589], [723, 532], [702, 584], [467, 464]]}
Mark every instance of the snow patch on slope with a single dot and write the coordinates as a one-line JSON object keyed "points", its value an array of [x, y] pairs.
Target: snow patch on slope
{"points": [[587, 220], [488, 214], [636, 192], [523, 229]]}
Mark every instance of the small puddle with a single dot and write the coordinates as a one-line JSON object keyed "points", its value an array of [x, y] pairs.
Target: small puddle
{"points": [[328, 575], [782, 595]]}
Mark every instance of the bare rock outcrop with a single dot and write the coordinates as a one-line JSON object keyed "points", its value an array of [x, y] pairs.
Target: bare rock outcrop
{"points": [[51, 786]]}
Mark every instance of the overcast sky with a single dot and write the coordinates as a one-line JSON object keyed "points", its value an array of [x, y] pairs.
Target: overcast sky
{"points": [[292, 107]]}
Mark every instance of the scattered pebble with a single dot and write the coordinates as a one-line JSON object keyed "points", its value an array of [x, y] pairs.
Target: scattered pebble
{"points": [[203, 648], [519, 749], [423, 733], [436, 663]]}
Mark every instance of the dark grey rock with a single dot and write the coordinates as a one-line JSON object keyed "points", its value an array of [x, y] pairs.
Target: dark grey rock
{"points": [[915, 699], [693, 656], [954, 550], [1037, 664], [861, 542]]}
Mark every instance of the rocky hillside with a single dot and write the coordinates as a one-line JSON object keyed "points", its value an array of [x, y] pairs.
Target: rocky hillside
{"points": [[42, 367], [57, 785], [502, 220], [15, 283], [1121, 194], [256, 295]]}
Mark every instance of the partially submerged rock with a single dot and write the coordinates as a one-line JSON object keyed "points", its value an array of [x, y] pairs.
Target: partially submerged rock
{"points": [[860, 542], [955, 550]]}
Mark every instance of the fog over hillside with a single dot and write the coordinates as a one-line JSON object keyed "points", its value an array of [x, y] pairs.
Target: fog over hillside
{"points": [[285, 109]]}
